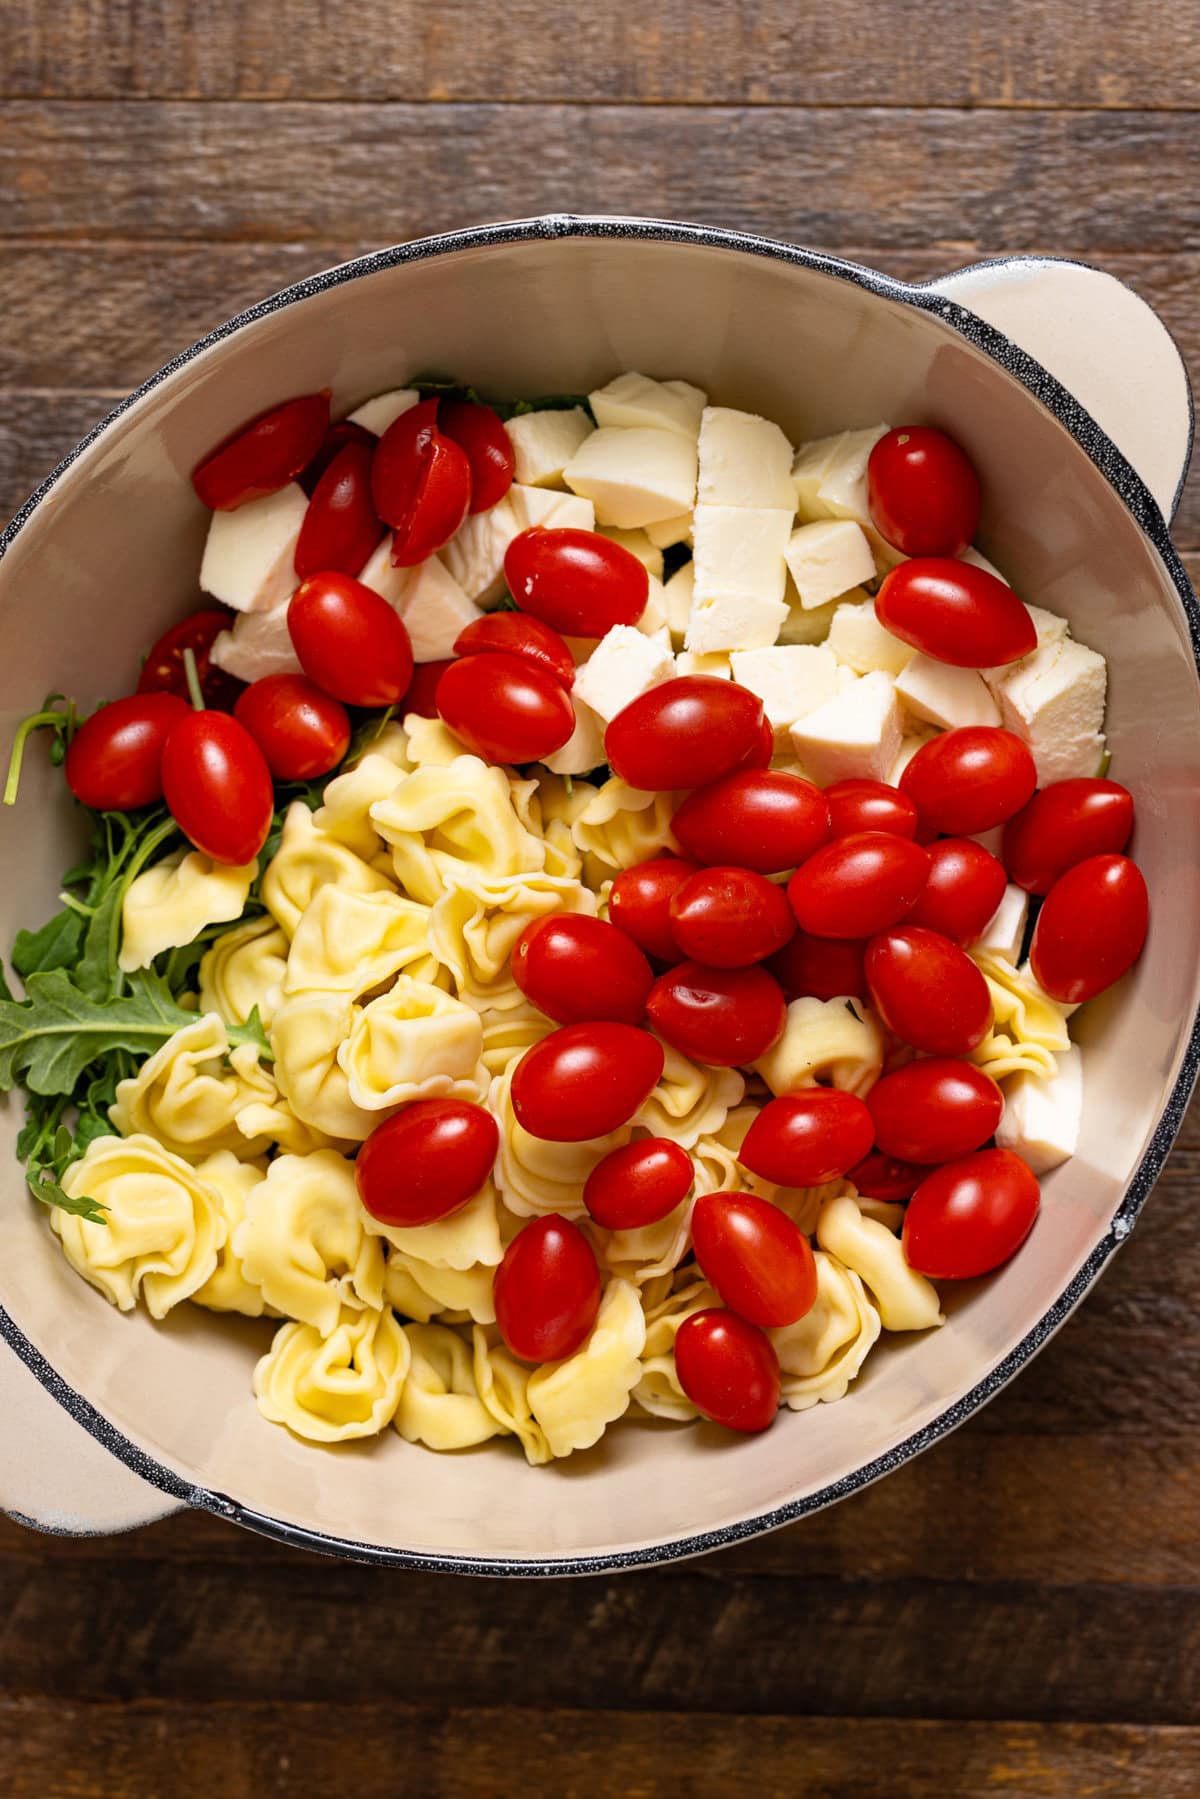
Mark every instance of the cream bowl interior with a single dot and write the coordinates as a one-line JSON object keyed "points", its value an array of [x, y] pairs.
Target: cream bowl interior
{"points": [[110, 556]]}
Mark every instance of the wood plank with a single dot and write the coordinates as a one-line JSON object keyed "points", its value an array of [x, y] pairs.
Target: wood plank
{"points": [[128, 1751], [1006, 53]]}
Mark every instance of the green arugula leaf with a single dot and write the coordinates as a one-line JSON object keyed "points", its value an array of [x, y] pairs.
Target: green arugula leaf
{"points": [[253, 1031], [368, 731], [50, 1037], [44, 1186], [54, 945]]}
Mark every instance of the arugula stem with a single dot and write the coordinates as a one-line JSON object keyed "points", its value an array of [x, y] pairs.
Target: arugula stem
{"points": [[36, 721], [193, 680]]}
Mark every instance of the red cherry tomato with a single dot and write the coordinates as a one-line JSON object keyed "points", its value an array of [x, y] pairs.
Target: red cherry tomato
{"points": [[164, 670], [820, 968], [264, 455], [762, 819], [349, 640], [805, 1139], [505, 708], [884, 1178], [426, 1162], [730, 917], [547, 1290], [519, 634], [339, 434], [928, 991], [686, 733], [575, 969], [955, 612], [759, 755], [726, 1017], [639, 903], [1090, 929], [970, 1216], [578, 582], [964, 887], [923, 492], [217, 784], [1064, 824], [421, 697], [638, 1184], [970, 779], [857, 805], [341, 526], [858, 885], [480, 434], [114, 761], [934, 1110], [760, 1263], [301, 731], [729, 1369], [584, 1080], [420, 484]]}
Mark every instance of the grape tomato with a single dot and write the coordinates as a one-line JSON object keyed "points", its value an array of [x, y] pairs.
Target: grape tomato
{"points": [[505, 708], [114, 760], [578, 582], [264, 455], [885, 1178], [639, 903], [479, 432], [730, 917], [575, 968], [341, 527], [724, 1017], [421, 696], [164, 670], [934, 1110], [970, 779], [964, 886], [1091, 928], [861, 805], [923, 492], [759, 1262], [426, 1162], [519, 634], [928, 991], [638, 1184], [809, 967], [420, 484], [547, 1290], [856, 886], [585, 1080], [765, 820], [686, 733], [350, 641], [339, 434], [728, 1369], [1063, 824], [805, 1139], [302, 731], [217, 784], [970, 1216], [956, 613]]}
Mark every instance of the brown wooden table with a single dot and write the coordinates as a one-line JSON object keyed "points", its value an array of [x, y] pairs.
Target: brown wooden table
{"points": [[1017, 1612]]}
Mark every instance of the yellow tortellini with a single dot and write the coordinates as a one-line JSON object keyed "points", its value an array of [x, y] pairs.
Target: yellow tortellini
{"points": [[469, 1238], [443, 823], [690, 1101], [715, 1158], [228, 1289], [574, 1400], [303, 1241], [352, 942], [307, 1032], [905, 1299], [421, 1290], [503, 1385], [191, 1094], [307, 860], [821, 1354], [558, 804], [1028, 1030], [331, 1388], [440, 1403], [650, 1250], [431, 742], [243, 970], [658, 1390], [535, 1175], [170, 904], [507, 1035], [475, 925], [413, 1042], [838, 1042], [345, 811], [621, 826], [163, 1231]]}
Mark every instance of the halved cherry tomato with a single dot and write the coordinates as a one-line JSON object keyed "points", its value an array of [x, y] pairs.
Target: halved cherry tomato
{"points": [[638, 1184], [1064, 824], [923, 492], [686, 733], [580, 583], [1091, 928], [730, 917], [164, 671], [728, 1368], [764, 819], [420, 483], [339, 434], [935, 1110], [114, 760], [859, 805], [639, 903], [519, 634], [856, 886], [302, 731], [584, 1080], [805, 1139], [426, 1162], [505, 708], [965, 885], [217, 784], [760, 1263], [955, 612], [547, 1290], [421, 697], [928, 991], [884, 1178], [480, 433], [970, 1216], [341, 526], [349, 640], [810, 967], [970, 779], [264, 455], [725, 1017], [575, 969]]}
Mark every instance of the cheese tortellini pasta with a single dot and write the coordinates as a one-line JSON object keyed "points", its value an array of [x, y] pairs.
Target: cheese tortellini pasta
{"points": [[169, 904], [334, 1387], [440, 1403], [837, 1042], [444, 822], [572, 1401], [243, 972], [303, 1241], [191, 1094], [307, 860], [821, 1354], [1028, 1030], [413, 1042]]}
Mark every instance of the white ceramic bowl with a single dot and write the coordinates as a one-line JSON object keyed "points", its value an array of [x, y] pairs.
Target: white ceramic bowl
{"points": [[105, 555]]}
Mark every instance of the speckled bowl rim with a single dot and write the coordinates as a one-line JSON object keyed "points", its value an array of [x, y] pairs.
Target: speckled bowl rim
{"points": [[1136, 498]]}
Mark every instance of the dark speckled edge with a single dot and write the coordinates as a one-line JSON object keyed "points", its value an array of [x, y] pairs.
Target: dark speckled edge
{"points": [[1137, 500]]}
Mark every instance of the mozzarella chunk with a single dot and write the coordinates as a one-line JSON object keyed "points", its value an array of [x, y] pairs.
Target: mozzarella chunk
{"points": [[696, 662], [857, 638], [634, 476], [945, 696], [624, 664], [544, 506], [633, 401], [910, 743], [828, 558], [978, 560], [475, 554], [830, 475], [378, 574], [249, 555], [807, 624], [377, 414], [259, 644], [1054, 700], [638, 544], [1041, 1117], [544, 442], [654, 617], [744, 461], [663, 533], [434, 609], [739, 577], [679, 592], [1004, 932], [856, 733], [1050, 628], [790, 680], [584, 748], [734, 621]]}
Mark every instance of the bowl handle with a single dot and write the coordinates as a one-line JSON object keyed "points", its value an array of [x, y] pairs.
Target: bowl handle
{"points": [[1107, 347], [54, 1476]]}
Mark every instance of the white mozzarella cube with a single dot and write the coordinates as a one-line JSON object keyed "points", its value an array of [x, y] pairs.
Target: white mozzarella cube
{"points": [[857, 638], [380, 576], [910, 743], [1004, 932], [630, 401], [655, 617], [1042, 1117], [830, 475], [679, 593], [638, 544], [828, 558], [259, 644], [945, 696], [978, 560], [856, 733], [699, 662], [624, 665], [807, 624], [734, 621], [475, 554], [377, 414], [1050, 628], [790, 680], [584, 748], [739, 577], [744, 461], [434, 609], [249, 555], [664, 533], [1054, 700], [543, 443], [546, 506], [634, 476]]}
